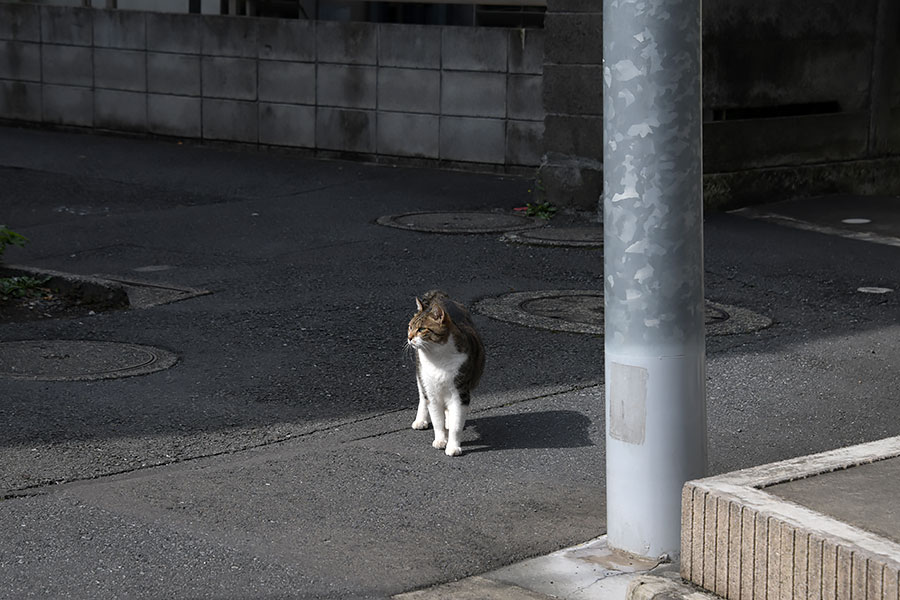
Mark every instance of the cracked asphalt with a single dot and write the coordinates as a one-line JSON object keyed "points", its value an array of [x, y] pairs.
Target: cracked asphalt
{"points": [[275, 460]]}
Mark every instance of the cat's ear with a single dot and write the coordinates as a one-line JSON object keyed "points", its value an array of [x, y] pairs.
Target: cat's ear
{"points": [[438, 313], [419, 306]]}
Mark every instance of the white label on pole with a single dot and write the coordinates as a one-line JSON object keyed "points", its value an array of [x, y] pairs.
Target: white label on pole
{"points": [[627, 403]]}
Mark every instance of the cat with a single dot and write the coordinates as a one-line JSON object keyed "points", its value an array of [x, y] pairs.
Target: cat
{"points": [[449, 364]]}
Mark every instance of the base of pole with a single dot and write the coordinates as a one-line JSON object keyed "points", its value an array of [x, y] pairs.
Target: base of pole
{"points": [[655, 442]]}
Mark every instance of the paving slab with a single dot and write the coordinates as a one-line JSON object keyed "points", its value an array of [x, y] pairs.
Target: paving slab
{"points": [[865, 496]]}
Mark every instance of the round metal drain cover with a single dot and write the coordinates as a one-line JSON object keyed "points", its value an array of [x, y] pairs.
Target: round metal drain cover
{"points": [[458, 222], [581, 311], [79, 360], [567, 237]]}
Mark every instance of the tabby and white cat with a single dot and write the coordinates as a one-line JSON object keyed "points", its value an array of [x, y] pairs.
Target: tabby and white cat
{"points": [[449, 363]]}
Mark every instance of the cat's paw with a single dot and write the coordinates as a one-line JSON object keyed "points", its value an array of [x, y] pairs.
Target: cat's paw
{"points": [[439, 444], [453, 450], [420, 424]]}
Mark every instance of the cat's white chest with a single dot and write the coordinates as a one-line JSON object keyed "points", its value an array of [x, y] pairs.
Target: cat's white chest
{"points": [[439, 364]]}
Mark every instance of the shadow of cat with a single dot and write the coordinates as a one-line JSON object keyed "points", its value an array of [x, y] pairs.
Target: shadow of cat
{"points": [[544, 429]]}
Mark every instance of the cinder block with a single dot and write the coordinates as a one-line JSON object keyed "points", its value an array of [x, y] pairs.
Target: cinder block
{"points": [[474, 49], [800, 566], [283, 39], [734, 550], [174, 33], [230, 120], [229, 36], [697, 536], [576, 185], [67, 105], [573, 89], [67, 25], [473, 139], [687, 506], [120, 69], [844, 572], [120, 111], [748, 550], [409, 90], [232, 78], [402, 134], [473, 94], [345, 130], [874, 574], [574, 135], [814, 568], [287, 82], [526, 51], [773, 560], [786, 562], [20, 101], [829, 569], [67, 65], [347, 43], [20, 60], [173, 73], [524, 99], [574, 38], [287, 125], [412, 46], [890, 583], [20, 22], [524, 143], [760, 555], [120, 29], [709, 542], [174, 115], [723, 525], [346, 86]]}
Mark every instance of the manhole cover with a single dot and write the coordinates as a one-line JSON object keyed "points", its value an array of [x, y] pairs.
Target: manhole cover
{"points": [[458, 222], [568, 237], [581, 311], [78, 360]]}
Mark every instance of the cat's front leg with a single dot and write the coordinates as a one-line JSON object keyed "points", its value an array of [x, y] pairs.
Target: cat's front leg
{"points": [[456, 421], [436, 411], [422, 419]]}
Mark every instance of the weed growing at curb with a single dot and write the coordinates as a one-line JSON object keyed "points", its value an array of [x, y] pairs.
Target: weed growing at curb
{"points": [[541, 210], [21, 286], [8, 237]]}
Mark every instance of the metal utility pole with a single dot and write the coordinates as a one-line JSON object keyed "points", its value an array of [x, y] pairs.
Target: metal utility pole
{"points": [[653, 269]]}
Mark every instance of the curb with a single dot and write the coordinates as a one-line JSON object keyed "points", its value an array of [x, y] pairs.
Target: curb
{"points": [[649, 587]]}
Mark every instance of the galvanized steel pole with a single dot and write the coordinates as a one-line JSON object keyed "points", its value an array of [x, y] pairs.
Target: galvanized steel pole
{"points": [[653, 269]]}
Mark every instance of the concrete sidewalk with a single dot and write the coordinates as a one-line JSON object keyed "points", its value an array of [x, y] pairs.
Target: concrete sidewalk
{"points": [[272, 458]]}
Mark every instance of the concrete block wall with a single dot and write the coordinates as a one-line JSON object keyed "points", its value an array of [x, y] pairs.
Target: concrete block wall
{"points": [[571, 173], [444, 94]]}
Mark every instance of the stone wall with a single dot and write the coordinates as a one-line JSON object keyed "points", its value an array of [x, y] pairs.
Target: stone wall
{"points": [[788, 88], [378, 91]]}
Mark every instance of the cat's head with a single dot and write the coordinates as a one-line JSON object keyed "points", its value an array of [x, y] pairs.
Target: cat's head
{"points": [[430, 325]]}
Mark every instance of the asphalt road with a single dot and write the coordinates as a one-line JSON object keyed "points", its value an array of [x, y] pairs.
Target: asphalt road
{"points": [[275, 460]]}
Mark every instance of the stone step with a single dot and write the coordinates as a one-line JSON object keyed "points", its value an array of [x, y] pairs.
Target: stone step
{"points": [[820, 526]]}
